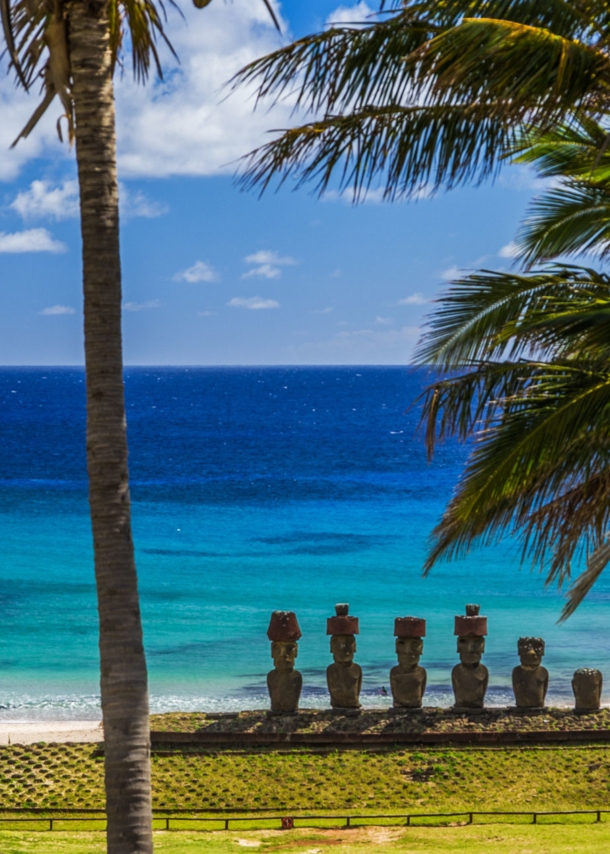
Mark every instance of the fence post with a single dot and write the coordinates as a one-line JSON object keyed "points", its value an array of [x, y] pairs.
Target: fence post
{"points": [[50, 824], [534, 817], [408, 821], [167, 823], [599, 815], [347, 824], [469, 818], [226, 823]]}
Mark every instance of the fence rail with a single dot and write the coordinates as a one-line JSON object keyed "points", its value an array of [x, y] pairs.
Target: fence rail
{"points": [[286, 822]]}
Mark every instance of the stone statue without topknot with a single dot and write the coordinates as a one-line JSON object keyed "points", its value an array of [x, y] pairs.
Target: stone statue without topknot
{"points": [[587, 686], [284, 682], [344, 677], [407, 678], [530, 678], [469, 678]]}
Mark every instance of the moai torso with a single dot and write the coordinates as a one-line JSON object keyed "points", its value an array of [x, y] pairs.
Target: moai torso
{"points": [[408, 686], [284, 690], [344, 684], [530, 686], [587, 687], [469, 685]]}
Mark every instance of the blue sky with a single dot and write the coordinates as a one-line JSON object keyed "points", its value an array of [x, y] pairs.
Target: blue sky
{"points": [[211, 275]]}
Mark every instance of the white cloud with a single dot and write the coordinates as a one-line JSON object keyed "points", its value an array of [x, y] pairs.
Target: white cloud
{"points": [[137, 204], [186, 124], [451, 273], [141, 306], [183, 125], [253, 303], [53, 310], [521, 177], [350, 14], [205, 313], [414, 299], [383, 321], [511, 250], [326, 310], [268, 264], [43, 200], [265, 256], [201, 271], [32, 240], [265, 271]]}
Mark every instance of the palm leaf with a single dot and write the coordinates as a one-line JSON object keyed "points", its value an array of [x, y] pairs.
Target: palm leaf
{"points": [[405, 148], [536, 445], [571, 219], [516, 69], [487, 314]]}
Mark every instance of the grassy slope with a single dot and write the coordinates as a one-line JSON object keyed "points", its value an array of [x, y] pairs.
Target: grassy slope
{"points": [[408, 780], [501, 839]]}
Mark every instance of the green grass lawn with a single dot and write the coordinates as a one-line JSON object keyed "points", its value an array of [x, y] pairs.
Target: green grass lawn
{"points": [[439, 780], [499, 839]]}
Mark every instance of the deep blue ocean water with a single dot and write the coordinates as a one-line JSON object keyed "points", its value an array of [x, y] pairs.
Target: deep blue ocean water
{"points": [[253, 489]]}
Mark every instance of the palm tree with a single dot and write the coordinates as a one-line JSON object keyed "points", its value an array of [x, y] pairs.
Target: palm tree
{"points": [[438, 94], [74, 46]]}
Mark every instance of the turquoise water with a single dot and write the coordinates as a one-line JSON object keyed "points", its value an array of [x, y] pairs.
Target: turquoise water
{"points": [[253, 489]]}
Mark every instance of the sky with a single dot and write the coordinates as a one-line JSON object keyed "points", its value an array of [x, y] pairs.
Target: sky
{"points": [[213, 275]]}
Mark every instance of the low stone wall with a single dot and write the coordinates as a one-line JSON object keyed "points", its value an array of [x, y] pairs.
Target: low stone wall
{"points": [[324, 729]]}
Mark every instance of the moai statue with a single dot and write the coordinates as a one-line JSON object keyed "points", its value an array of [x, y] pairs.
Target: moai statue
{"points": [[284, 682], [469, 678], [587, 686], [344, 677], [407, 678], [530, 678]]}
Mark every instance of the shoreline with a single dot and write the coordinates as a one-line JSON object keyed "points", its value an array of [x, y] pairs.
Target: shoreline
{"points": [[61, 732]]}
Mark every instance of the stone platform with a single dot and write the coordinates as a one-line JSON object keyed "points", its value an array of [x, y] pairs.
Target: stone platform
{"points": [[430, 726]]}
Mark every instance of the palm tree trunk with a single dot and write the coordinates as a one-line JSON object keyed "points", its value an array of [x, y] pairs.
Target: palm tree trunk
{"points": [[124, 688]]}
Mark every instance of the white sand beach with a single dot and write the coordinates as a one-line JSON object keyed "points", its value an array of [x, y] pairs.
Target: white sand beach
{"points": [[77, 732]]}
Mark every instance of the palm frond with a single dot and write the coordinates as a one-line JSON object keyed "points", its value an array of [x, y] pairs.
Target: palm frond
{"points": [[574, 150], [533, 449], [488, 314], [568, 220], [7, 29], [346, 66], [596, 564], [516, 69], [405, 148]]}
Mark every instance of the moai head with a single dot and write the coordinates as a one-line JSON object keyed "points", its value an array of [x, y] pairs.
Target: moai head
{"points": [[530, 651], [409, 633], [284, 654], [284, 632], [342, 628], [470, 630]]}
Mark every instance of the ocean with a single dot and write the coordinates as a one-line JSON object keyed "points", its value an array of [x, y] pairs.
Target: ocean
{"points": [[253, 489]]}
